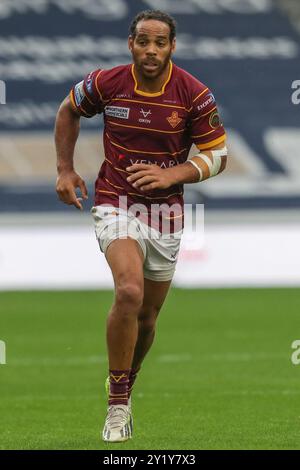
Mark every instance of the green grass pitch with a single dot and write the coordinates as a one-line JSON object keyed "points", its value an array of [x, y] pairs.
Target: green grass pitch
{"points": [[219, 375]]}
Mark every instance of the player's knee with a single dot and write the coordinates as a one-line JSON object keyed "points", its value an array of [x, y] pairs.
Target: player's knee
{"points": [[129, 294]]}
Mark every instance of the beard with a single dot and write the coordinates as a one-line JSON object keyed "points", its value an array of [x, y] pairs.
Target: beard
{"points": [[152, 68]]}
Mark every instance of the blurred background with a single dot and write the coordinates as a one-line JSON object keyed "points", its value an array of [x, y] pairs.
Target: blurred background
{"points": [[247, 51], [220, 373]]}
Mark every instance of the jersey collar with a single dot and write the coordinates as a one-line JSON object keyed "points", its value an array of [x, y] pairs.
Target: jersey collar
{"points": [[158, 93]]}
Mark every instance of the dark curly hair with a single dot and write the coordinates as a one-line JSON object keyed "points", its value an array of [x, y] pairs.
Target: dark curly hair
{"points": [[154, 15]]}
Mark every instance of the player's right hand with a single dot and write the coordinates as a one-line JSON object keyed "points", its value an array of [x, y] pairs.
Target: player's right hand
{"points": [[66, 184]]}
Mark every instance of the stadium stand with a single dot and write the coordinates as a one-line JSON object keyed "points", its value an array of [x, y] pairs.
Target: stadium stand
{"points": [[246, 51]]}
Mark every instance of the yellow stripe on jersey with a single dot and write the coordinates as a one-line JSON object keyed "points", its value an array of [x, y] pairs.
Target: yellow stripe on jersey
{"points": [[72, 100], [203, 115], [141, 195], [200, 94], [159, 93], [158, 197], [116, 168], [75, 107], [152, 104], [213, 143], [143, 151], [97, 88], [109, 192], [203, 135], [146, 128], [114, 185]]}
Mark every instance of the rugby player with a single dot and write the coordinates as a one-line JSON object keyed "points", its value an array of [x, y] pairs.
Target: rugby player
{"points": [[153, 112]]}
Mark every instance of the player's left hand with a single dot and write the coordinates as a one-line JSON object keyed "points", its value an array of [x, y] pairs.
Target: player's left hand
{"points": [[148, 177]]}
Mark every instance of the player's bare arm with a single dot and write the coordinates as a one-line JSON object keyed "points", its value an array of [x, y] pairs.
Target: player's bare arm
{"points": [[152, 112], [149, 177], [67, 127]]}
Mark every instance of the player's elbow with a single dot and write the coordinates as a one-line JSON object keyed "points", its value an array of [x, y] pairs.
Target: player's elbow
{"points": [[66, 117]]}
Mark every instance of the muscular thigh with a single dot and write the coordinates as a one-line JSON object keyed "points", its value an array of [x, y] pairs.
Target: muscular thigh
{"points": [[125, 259]]}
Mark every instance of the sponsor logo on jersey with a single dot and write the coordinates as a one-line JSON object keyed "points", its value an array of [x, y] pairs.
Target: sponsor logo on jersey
{"points": [[124, 95], [174, 119], [214, 120], [210, 99], [79, 93], [117, 111], [145, 114], [164, 164]]}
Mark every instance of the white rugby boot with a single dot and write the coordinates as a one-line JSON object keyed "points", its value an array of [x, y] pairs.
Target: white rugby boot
{"points": [[117, 424], [129, 407]]}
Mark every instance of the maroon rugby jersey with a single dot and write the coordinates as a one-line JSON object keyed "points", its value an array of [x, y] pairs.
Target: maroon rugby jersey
{"points": [[142, 127]]}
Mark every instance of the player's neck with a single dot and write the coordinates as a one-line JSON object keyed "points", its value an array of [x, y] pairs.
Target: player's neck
{"points": [[151, 85]]}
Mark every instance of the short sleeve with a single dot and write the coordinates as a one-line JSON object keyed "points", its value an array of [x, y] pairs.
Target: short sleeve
{"points": [[206, 128], [86, 96]]}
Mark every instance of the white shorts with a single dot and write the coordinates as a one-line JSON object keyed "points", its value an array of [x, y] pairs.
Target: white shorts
{"points": [[160, 252]]}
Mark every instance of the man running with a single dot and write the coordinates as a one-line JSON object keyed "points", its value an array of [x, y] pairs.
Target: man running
{"points": [[153, 112]]}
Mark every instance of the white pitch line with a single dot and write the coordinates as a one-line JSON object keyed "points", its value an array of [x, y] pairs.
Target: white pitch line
{"points": [[257, 392], [243, 356], [174, 358]]}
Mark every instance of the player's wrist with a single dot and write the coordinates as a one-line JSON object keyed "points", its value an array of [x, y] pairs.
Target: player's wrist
{"points": [[64, 169], [173, 175]]}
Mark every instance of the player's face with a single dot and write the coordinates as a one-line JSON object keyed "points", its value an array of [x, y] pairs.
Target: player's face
{"points": [[151, 48]]}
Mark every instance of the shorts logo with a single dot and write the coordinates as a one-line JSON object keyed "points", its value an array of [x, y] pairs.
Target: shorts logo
{"points": [[79, 93], [214, 120], [174, 120], [117, 111]]}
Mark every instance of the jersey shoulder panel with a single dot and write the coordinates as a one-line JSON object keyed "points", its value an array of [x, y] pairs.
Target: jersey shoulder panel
{"points": [[110, 82], [90, 96], [205, 125], [190, 85]]}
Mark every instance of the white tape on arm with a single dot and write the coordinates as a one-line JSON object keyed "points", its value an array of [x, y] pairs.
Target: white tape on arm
{"points": [[214, 165], [198, 168]]}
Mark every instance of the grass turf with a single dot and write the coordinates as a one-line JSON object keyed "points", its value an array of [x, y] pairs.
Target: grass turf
{"points": [[219, 375]]}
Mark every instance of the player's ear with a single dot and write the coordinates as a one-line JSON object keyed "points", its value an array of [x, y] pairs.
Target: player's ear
{"points": [[130, 43], [173, 45]]}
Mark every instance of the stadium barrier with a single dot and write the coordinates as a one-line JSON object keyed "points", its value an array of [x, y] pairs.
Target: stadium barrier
{"points": [[45, 256]]}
